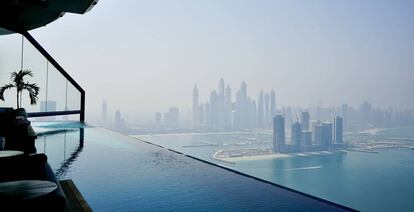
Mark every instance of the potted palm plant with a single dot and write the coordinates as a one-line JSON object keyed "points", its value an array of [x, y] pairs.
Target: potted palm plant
{"points": [[15, 127], [17, 82]]}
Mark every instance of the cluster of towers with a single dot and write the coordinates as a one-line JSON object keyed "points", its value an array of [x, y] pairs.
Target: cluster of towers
{"points": [[306, 136], [221, 112], [217, 111]]}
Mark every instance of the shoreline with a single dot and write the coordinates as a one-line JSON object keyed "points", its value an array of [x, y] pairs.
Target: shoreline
{"points": [[233, 160]]}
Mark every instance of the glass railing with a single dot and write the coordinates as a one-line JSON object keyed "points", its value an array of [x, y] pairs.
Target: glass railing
{"points": [[60, 97]]}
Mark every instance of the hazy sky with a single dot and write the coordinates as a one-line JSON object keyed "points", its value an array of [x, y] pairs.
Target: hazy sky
{"points": [[144, 56]]}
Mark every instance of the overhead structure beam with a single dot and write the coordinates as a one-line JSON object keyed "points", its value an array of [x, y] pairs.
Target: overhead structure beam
{"points": [[25, 15]]}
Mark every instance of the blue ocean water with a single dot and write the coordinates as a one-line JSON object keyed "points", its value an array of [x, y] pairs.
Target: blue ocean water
{"points": [[365, 181], [382, 181]]}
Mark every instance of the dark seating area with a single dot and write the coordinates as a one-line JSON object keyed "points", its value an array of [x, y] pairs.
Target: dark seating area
{"points": [[16, 130], [26, 177], [30, 167]]}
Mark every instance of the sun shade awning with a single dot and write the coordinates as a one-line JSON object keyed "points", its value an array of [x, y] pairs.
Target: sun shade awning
{"points": [[24, 15]]}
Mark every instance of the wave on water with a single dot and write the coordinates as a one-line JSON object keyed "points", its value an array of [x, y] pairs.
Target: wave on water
{"points": [[304, 168]]}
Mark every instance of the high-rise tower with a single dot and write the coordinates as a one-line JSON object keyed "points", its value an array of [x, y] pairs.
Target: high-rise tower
{"points": [[214, 109], [279, 139], [243, 90], [304, 120], [119, 122], [260, 109], [272, 104], [221, 87], [306, 138], [241, 118], [326, 135], [344, 114], [296, 136], [196, 112], [221, 109], [104, 112], [227, 105], [337, 130], [266, 110]]}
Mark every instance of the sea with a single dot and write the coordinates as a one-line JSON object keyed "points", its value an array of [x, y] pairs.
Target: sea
{"points": [[379, 180]]}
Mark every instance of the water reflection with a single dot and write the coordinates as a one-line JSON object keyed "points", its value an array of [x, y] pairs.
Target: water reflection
{"points": [[62, 148]]}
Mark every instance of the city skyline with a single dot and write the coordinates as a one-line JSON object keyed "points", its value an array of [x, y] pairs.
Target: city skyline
{"points": [[270, 95], [227, 110]]}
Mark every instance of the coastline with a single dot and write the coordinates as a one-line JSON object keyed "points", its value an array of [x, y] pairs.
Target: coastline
{"points": [[233, 160]]}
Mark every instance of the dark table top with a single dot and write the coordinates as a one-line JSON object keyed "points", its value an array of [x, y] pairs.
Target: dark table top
{"points": [[26, 189], [9, 153]]}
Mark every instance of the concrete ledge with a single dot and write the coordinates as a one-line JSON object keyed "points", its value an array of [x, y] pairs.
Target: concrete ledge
{"points": [[74, 199]]}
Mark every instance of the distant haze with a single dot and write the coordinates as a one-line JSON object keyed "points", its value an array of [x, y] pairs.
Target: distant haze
{"points": [[144, 56]]}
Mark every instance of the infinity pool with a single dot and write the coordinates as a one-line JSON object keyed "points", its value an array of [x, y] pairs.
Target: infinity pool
{"points": [[115, 172]]}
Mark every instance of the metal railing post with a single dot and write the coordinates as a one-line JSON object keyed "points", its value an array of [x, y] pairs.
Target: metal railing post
{"points": [[82, 114]]}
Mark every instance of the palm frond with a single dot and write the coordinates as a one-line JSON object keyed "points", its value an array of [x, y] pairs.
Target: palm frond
{"points": [[3, 89], [26, 72], [17, 77], [33, 90], [33, 98]]}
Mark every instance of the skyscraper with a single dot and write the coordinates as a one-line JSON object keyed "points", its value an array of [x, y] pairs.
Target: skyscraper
{"points": [[221, 104], [202, 114], [344, 112], [306, 138], [296, 136], [279, 139], [46, 106], [260, 109], [288, 115], [304, 120], [365, 113], [104, 112], [227, 104], [119, 122], [272, 104], [315, 126], [337, 129], [326, 135], [207, 118], [241, 118], [196, 113], [237, 116], [214, 108], [253, 113], [243, 90], [266, 110], [221, 87], [173, 116], [317, 134], [158, 119]]}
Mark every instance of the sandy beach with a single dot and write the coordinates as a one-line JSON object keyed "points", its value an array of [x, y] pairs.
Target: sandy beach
{"points": [[270, 156]]}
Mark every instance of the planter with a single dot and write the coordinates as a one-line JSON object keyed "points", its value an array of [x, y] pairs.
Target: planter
{"points": [[20, 113], [15, 127]]}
